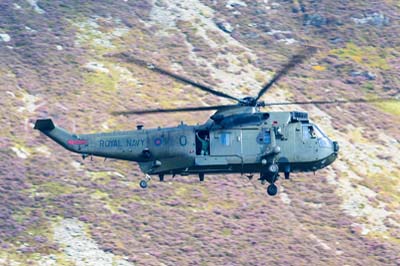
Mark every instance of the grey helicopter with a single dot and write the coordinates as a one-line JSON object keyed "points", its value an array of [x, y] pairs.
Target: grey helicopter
{"points": [[237, 139]]}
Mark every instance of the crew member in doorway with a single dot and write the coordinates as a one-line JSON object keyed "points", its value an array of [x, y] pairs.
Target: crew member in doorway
{"points": [[204, 143]]}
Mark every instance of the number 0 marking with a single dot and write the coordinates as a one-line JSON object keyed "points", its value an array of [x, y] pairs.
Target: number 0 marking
{"points": [[183, 140]]}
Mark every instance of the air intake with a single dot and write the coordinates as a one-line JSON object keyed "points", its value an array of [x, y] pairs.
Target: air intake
{"points": [[299, 117]]}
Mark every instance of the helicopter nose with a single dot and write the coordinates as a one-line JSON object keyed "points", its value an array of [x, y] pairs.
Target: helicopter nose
{"points": [[335, 146], [333, 155]]}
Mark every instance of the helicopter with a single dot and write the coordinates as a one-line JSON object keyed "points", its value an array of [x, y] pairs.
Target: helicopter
{"points": [[237, 138]]}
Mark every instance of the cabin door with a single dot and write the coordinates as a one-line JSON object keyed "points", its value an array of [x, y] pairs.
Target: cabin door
{"points": [[250, 148]]}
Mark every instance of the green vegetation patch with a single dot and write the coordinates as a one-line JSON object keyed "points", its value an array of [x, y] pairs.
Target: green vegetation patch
{"points": [[14, 257], [54, 188], [356, 135], [390, 107], [112, 205], [101, 80], [386, 184], [364, 55], [100, 177]]}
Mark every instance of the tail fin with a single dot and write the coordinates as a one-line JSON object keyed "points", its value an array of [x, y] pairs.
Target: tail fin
{"points": [[44, 125]]}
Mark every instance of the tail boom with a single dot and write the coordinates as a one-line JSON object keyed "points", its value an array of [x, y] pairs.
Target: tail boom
{"points": [[61, 136]]}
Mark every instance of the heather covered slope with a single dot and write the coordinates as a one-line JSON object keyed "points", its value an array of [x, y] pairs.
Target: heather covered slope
{"points": [[56, 59]]}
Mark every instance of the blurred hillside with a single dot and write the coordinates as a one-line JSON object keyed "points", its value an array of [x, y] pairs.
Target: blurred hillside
{"points": [[56, 60]]}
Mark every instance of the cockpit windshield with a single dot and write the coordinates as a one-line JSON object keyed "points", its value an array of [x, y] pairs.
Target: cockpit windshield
{"points": [[323, 140], [318, 132]]}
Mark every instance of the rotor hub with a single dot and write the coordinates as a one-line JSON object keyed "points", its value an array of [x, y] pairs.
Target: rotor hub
{"points": [[251, 101]]}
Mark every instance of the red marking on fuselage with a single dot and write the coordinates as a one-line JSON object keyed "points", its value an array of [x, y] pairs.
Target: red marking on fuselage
{"points": [[77, 142]]}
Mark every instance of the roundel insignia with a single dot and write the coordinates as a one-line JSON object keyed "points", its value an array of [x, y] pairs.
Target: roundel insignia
{"points": [[157, 141]]}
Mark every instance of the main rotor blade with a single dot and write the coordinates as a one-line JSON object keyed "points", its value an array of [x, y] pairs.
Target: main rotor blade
{"points": [[155, 68], [295, 60], [185, 109], [334, 101]]}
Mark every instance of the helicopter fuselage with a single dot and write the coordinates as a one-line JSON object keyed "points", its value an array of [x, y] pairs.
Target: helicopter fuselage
{"points": [[237, 143]]}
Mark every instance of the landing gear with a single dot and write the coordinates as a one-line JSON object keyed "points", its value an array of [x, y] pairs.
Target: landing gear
{"points": [[144, 183], [201, 177], [270, 176], [272, 190], [287, 175], [273, 168], [287, 170]]}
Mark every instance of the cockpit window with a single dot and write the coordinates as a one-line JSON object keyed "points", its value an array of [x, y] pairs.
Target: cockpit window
{"points": [[312, 132], [323, 140], [308, 132], [318, 132]]}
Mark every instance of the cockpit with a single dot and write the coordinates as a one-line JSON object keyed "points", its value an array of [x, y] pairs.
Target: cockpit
{"points": [[312, 131]]}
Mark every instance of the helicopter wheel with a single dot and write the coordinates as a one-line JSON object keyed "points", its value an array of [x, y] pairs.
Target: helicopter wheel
{"points": [[143, 184], [161, 176], [272, 190]]}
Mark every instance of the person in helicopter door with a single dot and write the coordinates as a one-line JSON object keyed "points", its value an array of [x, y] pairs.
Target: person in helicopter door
{"points": [[204, 143]]}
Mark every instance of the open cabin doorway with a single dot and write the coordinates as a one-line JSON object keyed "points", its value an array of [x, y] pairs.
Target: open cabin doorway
{"points": [[202, 142]]}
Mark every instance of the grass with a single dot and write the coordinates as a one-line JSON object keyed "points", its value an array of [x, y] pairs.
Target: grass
{"points": [[368, 56], [356, 136], [110, 204], [54, 188], [368, 86], [14, 257], [386, 184], [42, 230], [100, 177], [390, 107], [100, 80]]}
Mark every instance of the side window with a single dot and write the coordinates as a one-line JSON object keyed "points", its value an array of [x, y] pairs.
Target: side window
{"points": [[264, 137], [225, 138], [267, 137]]}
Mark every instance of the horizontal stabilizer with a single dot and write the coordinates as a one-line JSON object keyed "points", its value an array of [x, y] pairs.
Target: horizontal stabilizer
{"points": [[44, 124]]}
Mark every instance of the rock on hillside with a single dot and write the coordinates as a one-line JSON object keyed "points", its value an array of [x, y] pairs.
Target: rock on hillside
{"points": [[57, 60]]}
